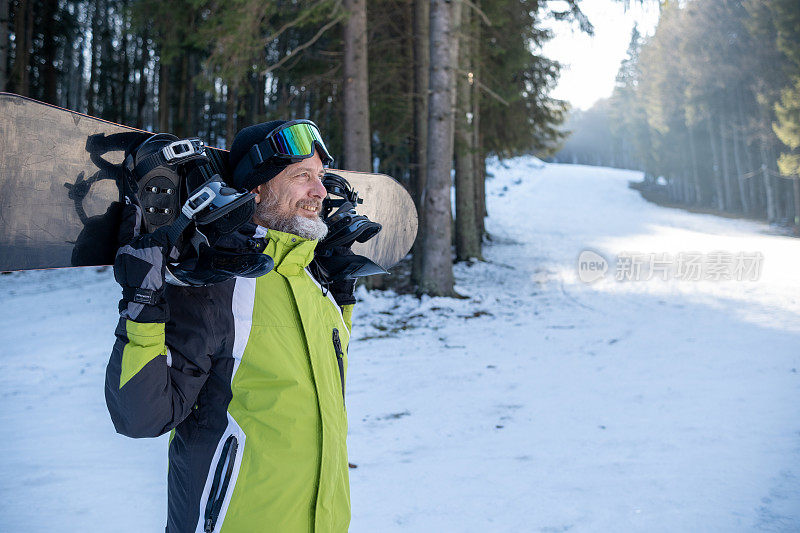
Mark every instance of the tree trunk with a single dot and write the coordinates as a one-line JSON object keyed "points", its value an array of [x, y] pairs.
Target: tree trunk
{"points": [[780, 199], [772, 213], [455, 24], [437, 266], [480, 188], [357, 142], [687, 189], [719, 189], [192, 109], [163, 97], [70, 76], [91, 93], [77, 93], [467, 239], [477, 143], [730, 204], [126, 65], [758, 198], [106, 65], [698, 194], [422, 60], [455, 29], [210, 101], [796, 191], [48, 51], [686, 171], [141, 97], [22, 47], [753, 198], [772, 169], [181, 128], [737, 160], [261, 89], [3, 44], [230, 116]]}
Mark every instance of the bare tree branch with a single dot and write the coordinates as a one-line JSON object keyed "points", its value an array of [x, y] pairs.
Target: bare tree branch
{"points": [[478, 10], [486, 89], [303, 46], [303, 15]]}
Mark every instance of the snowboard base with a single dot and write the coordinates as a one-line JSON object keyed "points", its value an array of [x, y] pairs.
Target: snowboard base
{"points": [[59, 190]]}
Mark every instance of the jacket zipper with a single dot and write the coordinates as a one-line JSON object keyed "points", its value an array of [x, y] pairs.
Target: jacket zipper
{"points": [[220, 485], [337, 345]]}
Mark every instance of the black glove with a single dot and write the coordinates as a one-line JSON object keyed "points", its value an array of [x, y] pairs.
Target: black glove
{"points": [[242, 240], [139, 268], [342, 290]]}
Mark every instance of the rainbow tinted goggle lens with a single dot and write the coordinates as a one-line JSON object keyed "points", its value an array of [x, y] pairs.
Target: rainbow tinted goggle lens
{"points": [[295, 140]]}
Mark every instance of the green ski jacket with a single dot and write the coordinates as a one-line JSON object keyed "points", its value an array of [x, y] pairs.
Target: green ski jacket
{"points": [[249, 375]]}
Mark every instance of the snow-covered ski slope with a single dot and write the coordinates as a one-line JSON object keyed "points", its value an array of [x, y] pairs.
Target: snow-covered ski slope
{"points": [[540, 403]]}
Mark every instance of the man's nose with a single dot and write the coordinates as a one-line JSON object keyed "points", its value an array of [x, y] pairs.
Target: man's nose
{"points": [[318, 190]]}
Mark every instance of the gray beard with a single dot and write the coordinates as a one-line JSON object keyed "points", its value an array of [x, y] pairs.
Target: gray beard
{"points": [[268, 214]]}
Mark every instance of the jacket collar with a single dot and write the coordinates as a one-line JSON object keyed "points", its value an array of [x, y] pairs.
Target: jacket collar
{"points": [[291, 253]]}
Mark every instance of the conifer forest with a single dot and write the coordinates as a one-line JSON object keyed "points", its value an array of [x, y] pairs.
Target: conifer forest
{"points": [[708, 107]]}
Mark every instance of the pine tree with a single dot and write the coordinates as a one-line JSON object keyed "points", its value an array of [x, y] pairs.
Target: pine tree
{"points": [[787, 128]]}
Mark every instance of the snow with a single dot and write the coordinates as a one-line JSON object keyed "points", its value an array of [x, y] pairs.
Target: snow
{"points": [[537, 403]]}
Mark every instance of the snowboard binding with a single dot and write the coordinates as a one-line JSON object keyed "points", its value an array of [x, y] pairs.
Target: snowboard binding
{"points": [[345, 227], [175, 186], [156, 166]]}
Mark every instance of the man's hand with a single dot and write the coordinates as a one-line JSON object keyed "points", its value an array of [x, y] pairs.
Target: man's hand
{"points": [[242, 240], [139, 268], [343, 290]]}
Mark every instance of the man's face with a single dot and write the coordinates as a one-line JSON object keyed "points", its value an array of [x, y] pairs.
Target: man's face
{"points": [[291, 201]]}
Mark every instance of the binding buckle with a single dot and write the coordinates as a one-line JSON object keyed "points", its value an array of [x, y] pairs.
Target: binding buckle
{"points": [[198, 201], [178, 151]]}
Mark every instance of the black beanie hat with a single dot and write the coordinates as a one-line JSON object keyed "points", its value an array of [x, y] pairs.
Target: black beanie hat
{"points": [[242, 143]]}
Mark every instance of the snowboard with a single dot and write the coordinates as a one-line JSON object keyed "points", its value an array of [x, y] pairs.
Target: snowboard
{"points": [[60, 176]]}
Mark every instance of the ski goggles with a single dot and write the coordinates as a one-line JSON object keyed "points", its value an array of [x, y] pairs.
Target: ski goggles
{"points": [[295, 140]]}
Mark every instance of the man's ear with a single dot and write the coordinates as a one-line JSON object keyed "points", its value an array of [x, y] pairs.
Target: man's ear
{"points": [[257, 192]]}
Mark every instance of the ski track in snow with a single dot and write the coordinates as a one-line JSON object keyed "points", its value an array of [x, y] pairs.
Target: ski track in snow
{"points": [[538, 403]]}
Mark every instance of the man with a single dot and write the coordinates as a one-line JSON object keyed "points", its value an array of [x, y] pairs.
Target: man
{"points": [[248, 374]]}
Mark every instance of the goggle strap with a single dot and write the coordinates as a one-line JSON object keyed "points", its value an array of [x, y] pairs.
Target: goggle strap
{"points": [[257, 154], [255, 157]]}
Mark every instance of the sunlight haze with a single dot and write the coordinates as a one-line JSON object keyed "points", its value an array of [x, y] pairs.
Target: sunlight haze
{"points": [[590, 63]]}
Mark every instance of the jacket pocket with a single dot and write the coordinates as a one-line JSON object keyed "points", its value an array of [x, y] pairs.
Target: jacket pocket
{"points": [[220, 485], [337, 345]]}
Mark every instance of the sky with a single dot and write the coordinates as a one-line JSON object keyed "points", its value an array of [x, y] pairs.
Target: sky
{"points": [[591, 63]]}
